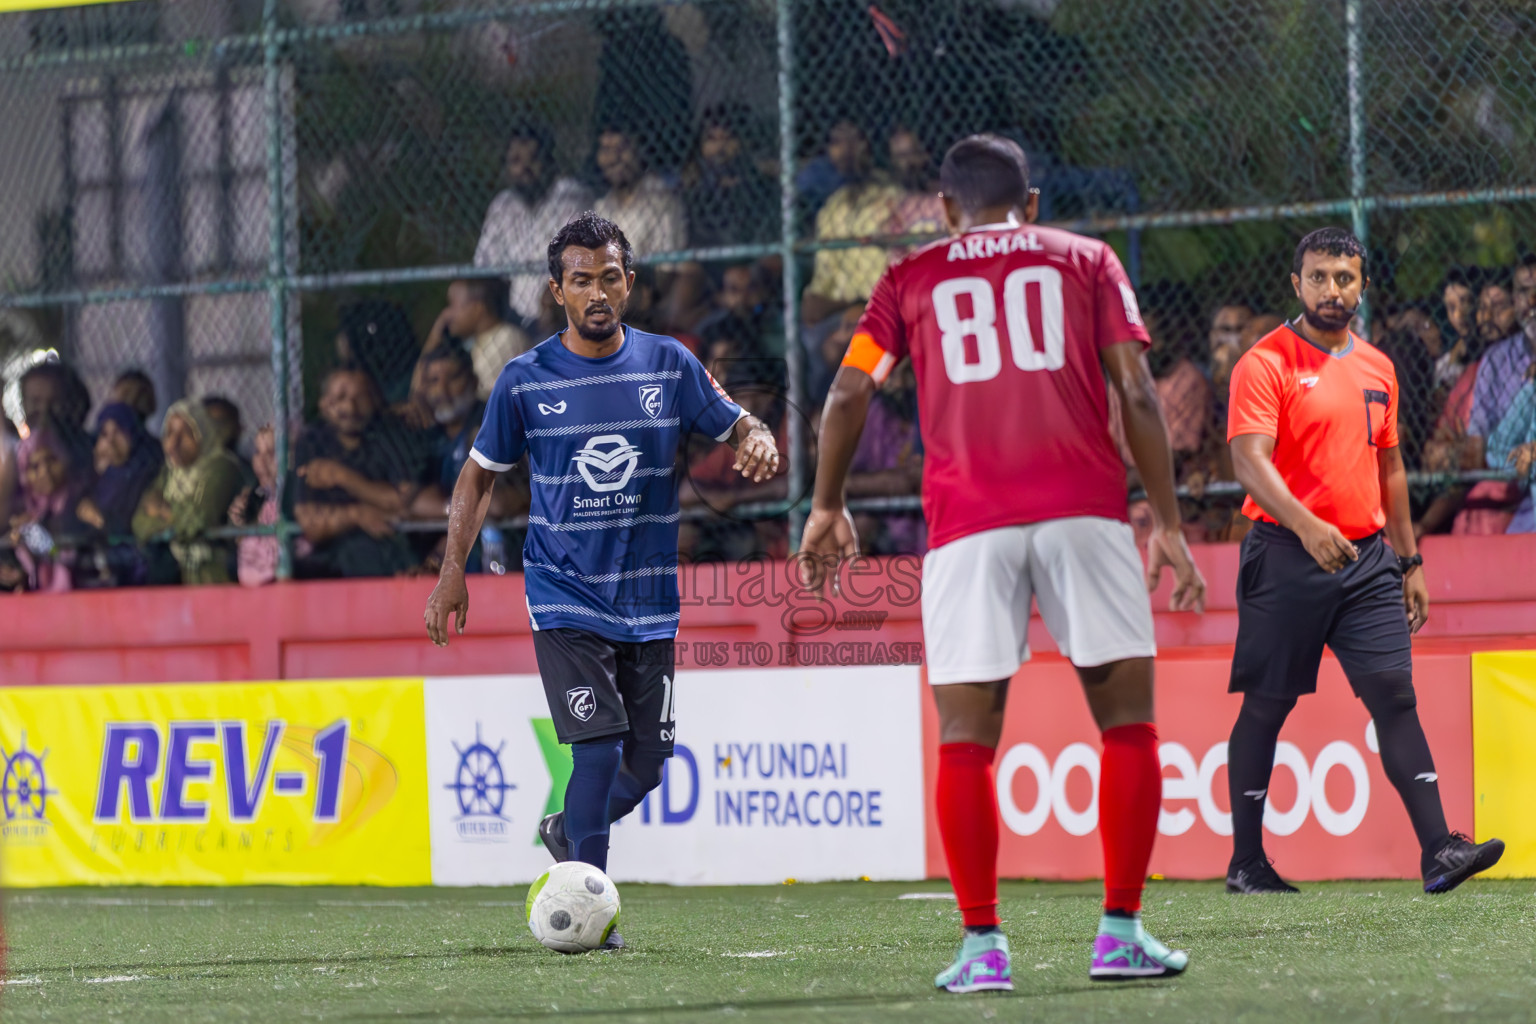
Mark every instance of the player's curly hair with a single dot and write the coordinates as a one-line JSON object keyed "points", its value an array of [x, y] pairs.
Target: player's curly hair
{"points": [[589, 231], [1331, 242]]}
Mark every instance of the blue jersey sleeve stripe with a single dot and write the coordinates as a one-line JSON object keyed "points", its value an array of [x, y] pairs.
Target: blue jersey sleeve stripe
{"points": [[486, 463]]}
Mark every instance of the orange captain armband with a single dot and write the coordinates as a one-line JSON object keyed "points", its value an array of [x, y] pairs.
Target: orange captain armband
{"points": [[864, 354]]}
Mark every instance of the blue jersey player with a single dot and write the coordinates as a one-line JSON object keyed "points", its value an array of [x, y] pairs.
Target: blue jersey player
{"points": [[601, 411]]}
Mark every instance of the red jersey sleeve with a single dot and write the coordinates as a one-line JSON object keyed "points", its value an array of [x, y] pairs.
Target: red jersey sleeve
{"points": [[882, 316], [1254, 406], [1117, 315]]}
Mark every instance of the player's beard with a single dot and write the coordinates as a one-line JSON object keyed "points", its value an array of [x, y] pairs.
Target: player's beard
{"points": [[1328, 318], [595, 334]]}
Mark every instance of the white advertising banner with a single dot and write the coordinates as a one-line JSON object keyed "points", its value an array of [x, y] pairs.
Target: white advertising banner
{"points": [[805, 773]]}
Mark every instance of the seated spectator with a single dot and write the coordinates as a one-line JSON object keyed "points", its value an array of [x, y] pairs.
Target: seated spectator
{"points": [[225, 417], [525, 216], [376, 336], [52, 389], [190, 495], [652, 216], [359, 471], [1503, 376], [861, 208], [639, 202], [1459, 297], [729, 201], [257, 556], [919, 210], [1257, 326], [127, 460], [448, 385], [53, 480], [134, 389], [1492, 505], [1512, 446], [449, 389], [826, 344], [476, 318], [888, 463], [1227, 323], [745, 323]]}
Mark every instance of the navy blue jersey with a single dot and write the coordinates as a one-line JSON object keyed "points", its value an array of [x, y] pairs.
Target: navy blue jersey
{"points": [[602, 437]]}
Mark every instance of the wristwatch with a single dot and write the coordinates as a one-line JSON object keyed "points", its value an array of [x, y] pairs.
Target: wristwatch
{"points": [[1404, 564]]}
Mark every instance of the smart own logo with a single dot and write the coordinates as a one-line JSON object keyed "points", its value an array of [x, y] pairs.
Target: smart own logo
{"points": [[606, 456]]}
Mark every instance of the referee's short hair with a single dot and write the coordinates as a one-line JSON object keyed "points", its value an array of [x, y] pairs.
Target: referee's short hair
{"points": [[1331, 242], [589, 231], [982, 171]]}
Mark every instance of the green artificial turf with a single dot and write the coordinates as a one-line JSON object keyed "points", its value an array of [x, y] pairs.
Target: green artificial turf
{"points": [[1358, 951]]}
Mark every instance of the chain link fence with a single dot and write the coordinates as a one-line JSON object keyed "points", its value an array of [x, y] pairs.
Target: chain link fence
{"points": [[333, 214]]}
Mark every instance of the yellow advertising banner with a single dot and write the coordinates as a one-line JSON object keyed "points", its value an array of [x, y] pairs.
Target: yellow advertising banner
{"points": [[7, 6], [1504, 756], [231, 784]]}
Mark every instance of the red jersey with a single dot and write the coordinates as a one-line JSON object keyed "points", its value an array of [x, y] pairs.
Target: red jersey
{"points": [[1329, 415], [1004, 325]]}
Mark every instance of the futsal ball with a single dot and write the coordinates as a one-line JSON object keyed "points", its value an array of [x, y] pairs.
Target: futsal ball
{"points": [[572, 907]]}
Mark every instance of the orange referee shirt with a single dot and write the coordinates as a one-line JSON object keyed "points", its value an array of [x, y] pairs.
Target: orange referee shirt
{"points": [[1329, 415]]}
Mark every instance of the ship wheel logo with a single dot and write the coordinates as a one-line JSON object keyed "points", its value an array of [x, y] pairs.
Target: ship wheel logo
{"points": [[479, 783], [24, 788]]}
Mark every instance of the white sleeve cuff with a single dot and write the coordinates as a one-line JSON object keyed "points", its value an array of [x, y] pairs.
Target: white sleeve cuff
{"points": [[727, 433], [485, 463]]}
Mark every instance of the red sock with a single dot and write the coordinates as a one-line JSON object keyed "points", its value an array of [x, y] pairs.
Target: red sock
{"points": [[1130, 794], [967, 805]]}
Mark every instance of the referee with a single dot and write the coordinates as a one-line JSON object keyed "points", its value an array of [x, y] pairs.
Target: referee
{"points": [[1313, 429]]}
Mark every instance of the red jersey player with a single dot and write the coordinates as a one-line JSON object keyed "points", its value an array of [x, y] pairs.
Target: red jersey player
{"points": [[1011, 330]]}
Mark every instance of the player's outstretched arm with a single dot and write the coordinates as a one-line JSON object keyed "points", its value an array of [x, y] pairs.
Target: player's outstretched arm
{"points": [[466, 513], [1147, 436], [829, 534]]}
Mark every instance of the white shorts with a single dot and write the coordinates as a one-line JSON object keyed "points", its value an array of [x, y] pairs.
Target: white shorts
{"points": [[1084, 573]]}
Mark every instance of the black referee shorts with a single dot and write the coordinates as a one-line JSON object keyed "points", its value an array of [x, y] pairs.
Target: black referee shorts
{"points": [[598, 687], [1288, 608]]}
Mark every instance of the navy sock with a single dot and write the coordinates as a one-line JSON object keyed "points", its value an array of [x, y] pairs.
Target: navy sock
{"points": [[595, 763], [640, 773]]}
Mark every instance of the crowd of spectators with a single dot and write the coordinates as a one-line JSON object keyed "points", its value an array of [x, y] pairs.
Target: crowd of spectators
{"points": [[124, 498]]}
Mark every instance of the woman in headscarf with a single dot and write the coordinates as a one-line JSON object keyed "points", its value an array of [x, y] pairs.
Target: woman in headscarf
{"points": [[52, 481], [191, 494], [127, 460]]}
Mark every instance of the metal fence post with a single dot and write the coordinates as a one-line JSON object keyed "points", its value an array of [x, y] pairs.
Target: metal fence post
{"points": [[277, 287], [793, 354], [1359, 216]]}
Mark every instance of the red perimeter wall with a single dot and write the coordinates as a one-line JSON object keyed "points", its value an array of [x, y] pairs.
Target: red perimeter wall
{"points": [[1483, 588]]}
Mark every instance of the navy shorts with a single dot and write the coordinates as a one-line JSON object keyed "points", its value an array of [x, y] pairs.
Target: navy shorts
{"points": [[598, 687], [1288, 609]]}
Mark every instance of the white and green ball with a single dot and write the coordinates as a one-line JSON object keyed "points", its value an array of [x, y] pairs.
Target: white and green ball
{"points": [[573, 907]]}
